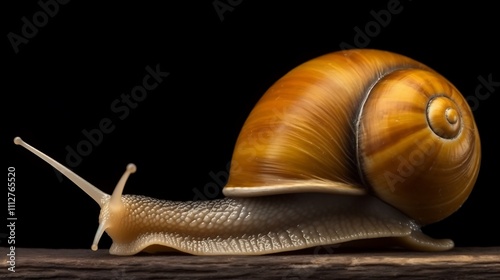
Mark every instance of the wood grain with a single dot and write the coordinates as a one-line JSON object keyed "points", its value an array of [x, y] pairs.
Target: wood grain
{"points": [[323, 263]]}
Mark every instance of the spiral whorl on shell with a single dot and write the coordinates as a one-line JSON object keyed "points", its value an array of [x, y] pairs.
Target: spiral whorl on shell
{"points": [[419, 148], [357, 122]]}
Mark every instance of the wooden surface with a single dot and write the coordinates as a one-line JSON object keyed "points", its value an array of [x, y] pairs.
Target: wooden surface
{"points": [[333, 263]]}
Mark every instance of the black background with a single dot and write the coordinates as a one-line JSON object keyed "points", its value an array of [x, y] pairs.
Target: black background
{"points": [[66, 77]]}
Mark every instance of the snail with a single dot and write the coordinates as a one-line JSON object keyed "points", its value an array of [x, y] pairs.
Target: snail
{"points": [[353, 145]]}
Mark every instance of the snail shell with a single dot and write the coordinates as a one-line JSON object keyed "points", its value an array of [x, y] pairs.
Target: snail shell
{"points": [[361, 121], [352, 145]]}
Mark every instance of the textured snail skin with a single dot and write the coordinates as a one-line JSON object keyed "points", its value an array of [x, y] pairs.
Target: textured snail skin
{"points": [[255, 226], [352, 145]]}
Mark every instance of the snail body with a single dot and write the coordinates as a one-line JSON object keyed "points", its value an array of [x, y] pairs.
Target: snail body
{"points": [[352, 145]]}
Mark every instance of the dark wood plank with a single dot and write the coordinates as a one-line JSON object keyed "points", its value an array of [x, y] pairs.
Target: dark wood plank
{"points": [[460, 263]]}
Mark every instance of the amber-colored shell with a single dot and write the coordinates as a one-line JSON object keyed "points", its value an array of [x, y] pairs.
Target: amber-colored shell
{"points": [[358, 122]]}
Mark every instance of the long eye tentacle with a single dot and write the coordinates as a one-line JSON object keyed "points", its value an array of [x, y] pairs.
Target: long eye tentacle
{"points": [[115, 202], [96, 194]]}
